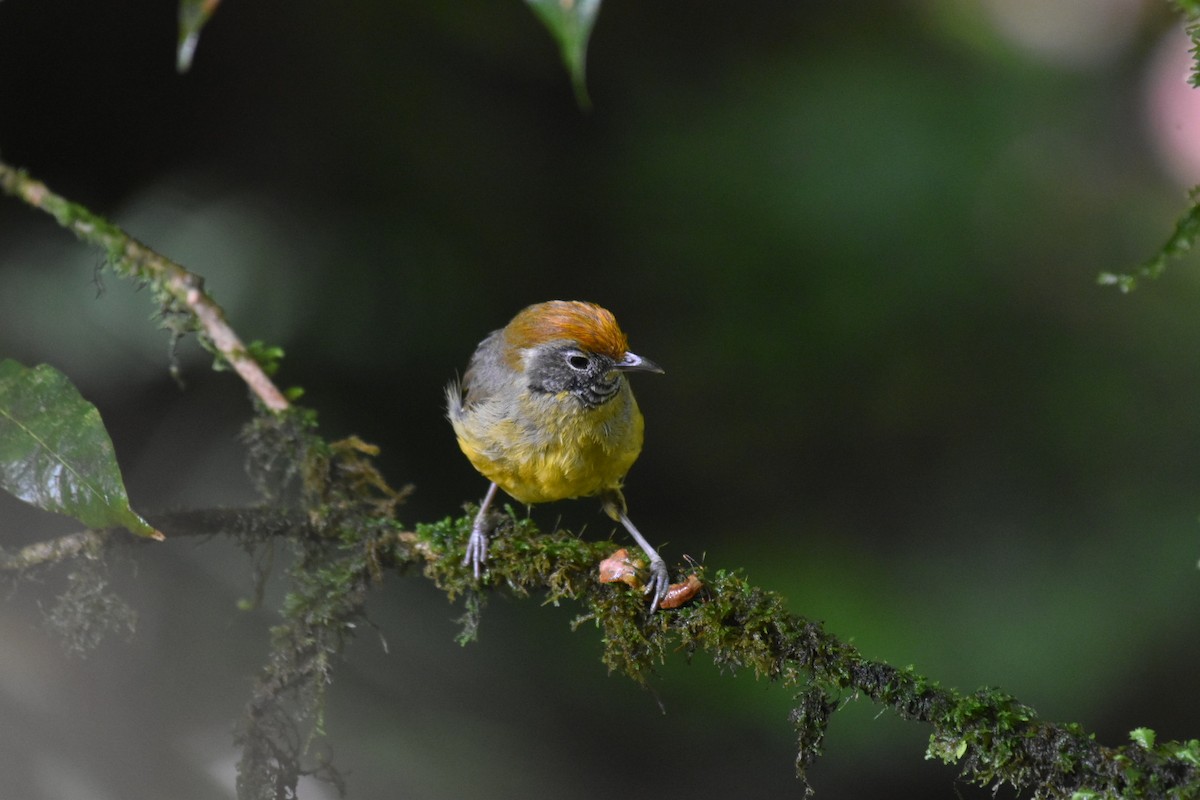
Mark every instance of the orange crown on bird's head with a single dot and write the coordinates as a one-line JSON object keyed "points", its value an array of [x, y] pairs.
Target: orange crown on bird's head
{"points": [[592, 327]]}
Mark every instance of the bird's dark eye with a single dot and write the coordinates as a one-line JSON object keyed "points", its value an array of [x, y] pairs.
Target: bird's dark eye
{"points": [[578, 361]]}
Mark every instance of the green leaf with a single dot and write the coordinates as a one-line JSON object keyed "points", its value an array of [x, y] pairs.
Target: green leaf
{"points": [[1188, 751], [1143, 736], [55, 453], [193, 14], [570, 21]]}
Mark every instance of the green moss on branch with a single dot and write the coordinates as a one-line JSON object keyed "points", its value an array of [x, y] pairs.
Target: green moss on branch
{"points": [[989, 735]]}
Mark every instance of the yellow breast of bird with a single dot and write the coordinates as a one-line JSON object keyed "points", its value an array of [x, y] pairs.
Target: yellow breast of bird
{"points": [[549, 447]]}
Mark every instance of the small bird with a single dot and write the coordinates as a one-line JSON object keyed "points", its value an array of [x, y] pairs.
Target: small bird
{"points": [[544, 412]]}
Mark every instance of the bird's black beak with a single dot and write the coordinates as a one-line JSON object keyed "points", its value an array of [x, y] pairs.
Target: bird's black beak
{"points": [[632, 362]]}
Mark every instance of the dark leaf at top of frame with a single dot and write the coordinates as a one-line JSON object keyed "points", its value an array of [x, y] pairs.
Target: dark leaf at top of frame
{"points": [[571, 22], [193, 15]]}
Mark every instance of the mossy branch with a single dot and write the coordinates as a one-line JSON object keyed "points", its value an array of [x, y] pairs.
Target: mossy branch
{"points": [[1187, 226], [988, 734], [1179, 243], [1190, 11], [331, 506]]}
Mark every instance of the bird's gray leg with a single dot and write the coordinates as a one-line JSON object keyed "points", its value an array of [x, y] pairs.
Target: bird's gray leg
{"points": [[659, 580]]}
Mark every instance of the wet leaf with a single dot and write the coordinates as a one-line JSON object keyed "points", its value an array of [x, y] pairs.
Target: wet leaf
{"points": [[193, 14], [55, 453], [570, 21]]}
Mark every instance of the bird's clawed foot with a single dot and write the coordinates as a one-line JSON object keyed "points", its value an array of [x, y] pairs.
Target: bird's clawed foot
{"points": [[657, 585], [477, 549]]}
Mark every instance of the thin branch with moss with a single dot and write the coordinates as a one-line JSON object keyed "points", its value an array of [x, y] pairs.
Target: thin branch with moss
{"points": [[1187, 226], [176, 288], [1179, 243], [52, 551]]}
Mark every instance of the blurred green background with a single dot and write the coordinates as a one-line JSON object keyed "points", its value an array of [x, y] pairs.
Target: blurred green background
{"points": [[863, 239]]}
